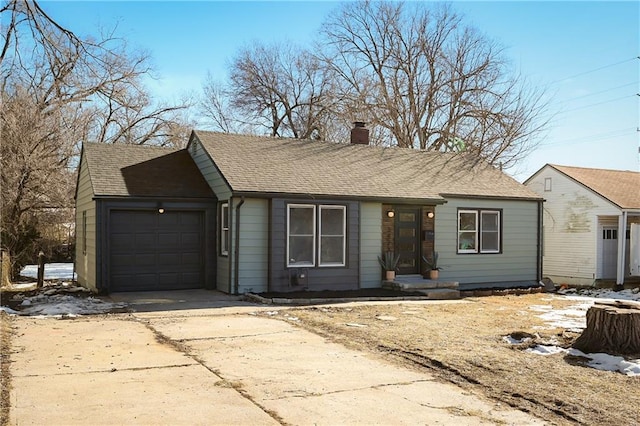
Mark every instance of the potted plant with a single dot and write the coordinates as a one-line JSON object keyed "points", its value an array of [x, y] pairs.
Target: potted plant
{"points": [[389, 263], [432, 270]]}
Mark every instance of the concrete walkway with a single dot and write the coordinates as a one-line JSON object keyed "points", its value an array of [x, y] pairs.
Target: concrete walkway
{"points": [[212, 367]]}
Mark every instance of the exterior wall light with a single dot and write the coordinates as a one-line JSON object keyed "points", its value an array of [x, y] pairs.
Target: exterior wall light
{"points": [[430, 215], [160, 210], [391, 213]]}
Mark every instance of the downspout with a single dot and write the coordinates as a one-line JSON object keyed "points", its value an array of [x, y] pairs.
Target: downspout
{"points": [[540, 240], [236, 249]]}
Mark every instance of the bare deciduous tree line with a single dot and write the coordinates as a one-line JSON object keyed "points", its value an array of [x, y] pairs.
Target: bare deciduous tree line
{"points": [[57, 91], [415, 72]]}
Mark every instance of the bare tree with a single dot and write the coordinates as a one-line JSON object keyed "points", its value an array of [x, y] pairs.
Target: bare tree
{"points": [[280, 88], [36, 175], [415, 72], [214, 105], [57, 92], [430, 81]]}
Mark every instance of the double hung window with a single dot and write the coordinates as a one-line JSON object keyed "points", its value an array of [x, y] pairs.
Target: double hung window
{"points": [[316, 235], [479, 231], [224, 229]]}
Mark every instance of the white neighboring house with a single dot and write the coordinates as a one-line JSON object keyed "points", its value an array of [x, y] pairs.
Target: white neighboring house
{"points": [[584, 212]]}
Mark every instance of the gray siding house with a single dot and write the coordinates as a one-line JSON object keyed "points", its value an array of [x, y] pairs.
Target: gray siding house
{"points": [[257, 214]]}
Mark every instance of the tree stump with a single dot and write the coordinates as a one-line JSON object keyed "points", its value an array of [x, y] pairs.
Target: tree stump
{"points": [[613, 328]]}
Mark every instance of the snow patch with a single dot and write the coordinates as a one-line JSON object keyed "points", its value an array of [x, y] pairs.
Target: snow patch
{"points": [[52, 271], [513, 341], [599, 361], [545, 350], [601, 293], [573, 318], [59, 300], [606, 362], [8, 310], [66, 305]]}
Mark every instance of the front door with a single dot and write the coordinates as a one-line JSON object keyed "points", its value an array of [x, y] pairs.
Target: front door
{"points": [[407, 243]]}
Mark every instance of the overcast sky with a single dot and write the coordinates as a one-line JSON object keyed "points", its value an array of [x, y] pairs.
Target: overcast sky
{"points": [[584, 53]]}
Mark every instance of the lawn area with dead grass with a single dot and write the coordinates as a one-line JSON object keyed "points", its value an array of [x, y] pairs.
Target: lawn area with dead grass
{"points": [[463, 343]]}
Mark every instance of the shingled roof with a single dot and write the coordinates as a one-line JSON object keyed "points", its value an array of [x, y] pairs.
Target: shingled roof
{"points": [[143, 171], [621, 187], [252, 164]]}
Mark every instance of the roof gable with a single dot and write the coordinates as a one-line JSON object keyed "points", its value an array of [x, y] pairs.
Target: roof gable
{"points": [[253, 164], [621, 187], [143, 171]]}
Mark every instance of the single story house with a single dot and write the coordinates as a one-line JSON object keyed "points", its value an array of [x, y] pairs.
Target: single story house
{"points": [[591, 223], [243, 213]]}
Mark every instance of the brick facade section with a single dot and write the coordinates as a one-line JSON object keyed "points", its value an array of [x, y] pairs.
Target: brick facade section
{"points": [[388, 242], [428, 224]]}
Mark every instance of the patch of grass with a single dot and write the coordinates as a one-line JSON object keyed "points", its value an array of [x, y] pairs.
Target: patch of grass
{"points": [[462, 343]]}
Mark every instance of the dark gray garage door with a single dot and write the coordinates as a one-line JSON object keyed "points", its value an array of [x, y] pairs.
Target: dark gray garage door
{"points": [[152, 251]]}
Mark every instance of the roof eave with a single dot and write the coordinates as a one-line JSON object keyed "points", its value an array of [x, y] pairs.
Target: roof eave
{"points": [[493, 197], [381, 199], [121, 197]]}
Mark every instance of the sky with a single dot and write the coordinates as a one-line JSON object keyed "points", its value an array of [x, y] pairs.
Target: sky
{"points": [[585, 55]]}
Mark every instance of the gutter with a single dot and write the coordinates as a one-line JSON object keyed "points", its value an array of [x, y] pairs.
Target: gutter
{"points": [[236, 248], [386, 200]]}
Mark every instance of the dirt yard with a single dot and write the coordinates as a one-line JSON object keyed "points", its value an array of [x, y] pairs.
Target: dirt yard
{"points": [[463, 343]]}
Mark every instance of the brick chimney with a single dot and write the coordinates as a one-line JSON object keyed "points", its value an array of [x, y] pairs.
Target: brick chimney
{"points": [[359, 133]]}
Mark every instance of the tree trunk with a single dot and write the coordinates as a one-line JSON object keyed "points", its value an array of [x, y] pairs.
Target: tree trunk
{"points": [[5, 269], [612, 327], [40, 270]]}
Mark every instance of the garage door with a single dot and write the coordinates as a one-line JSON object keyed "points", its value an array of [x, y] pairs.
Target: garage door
{"points": [[152, 251]]}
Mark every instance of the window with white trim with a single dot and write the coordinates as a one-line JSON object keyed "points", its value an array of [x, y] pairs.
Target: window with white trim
{"points": [[301, 235], [316, 235], [224, 229], [479, 231], [489, 231], [332, 236]]}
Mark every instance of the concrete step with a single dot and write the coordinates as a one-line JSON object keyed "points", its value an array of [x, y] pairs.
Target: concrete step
{"points": [[419, 285], [434, 290], [441, 294]]}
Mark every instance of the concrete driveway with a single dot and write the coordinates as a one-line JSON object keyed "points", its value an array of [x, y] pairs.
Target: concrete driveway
{"points": [[227, 364]]}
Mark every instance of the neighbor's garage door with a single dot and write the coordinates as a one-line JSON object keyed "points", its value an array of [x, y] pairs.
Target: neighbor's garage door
{"points": [[152, 251]]}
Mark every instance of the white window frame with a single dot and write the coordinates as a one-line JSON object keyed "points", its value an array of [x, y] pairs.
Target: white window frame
{"points": [[479, 231], [224, 230], [343, 235], [475, 231], [482, 231], [313, 257]]}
